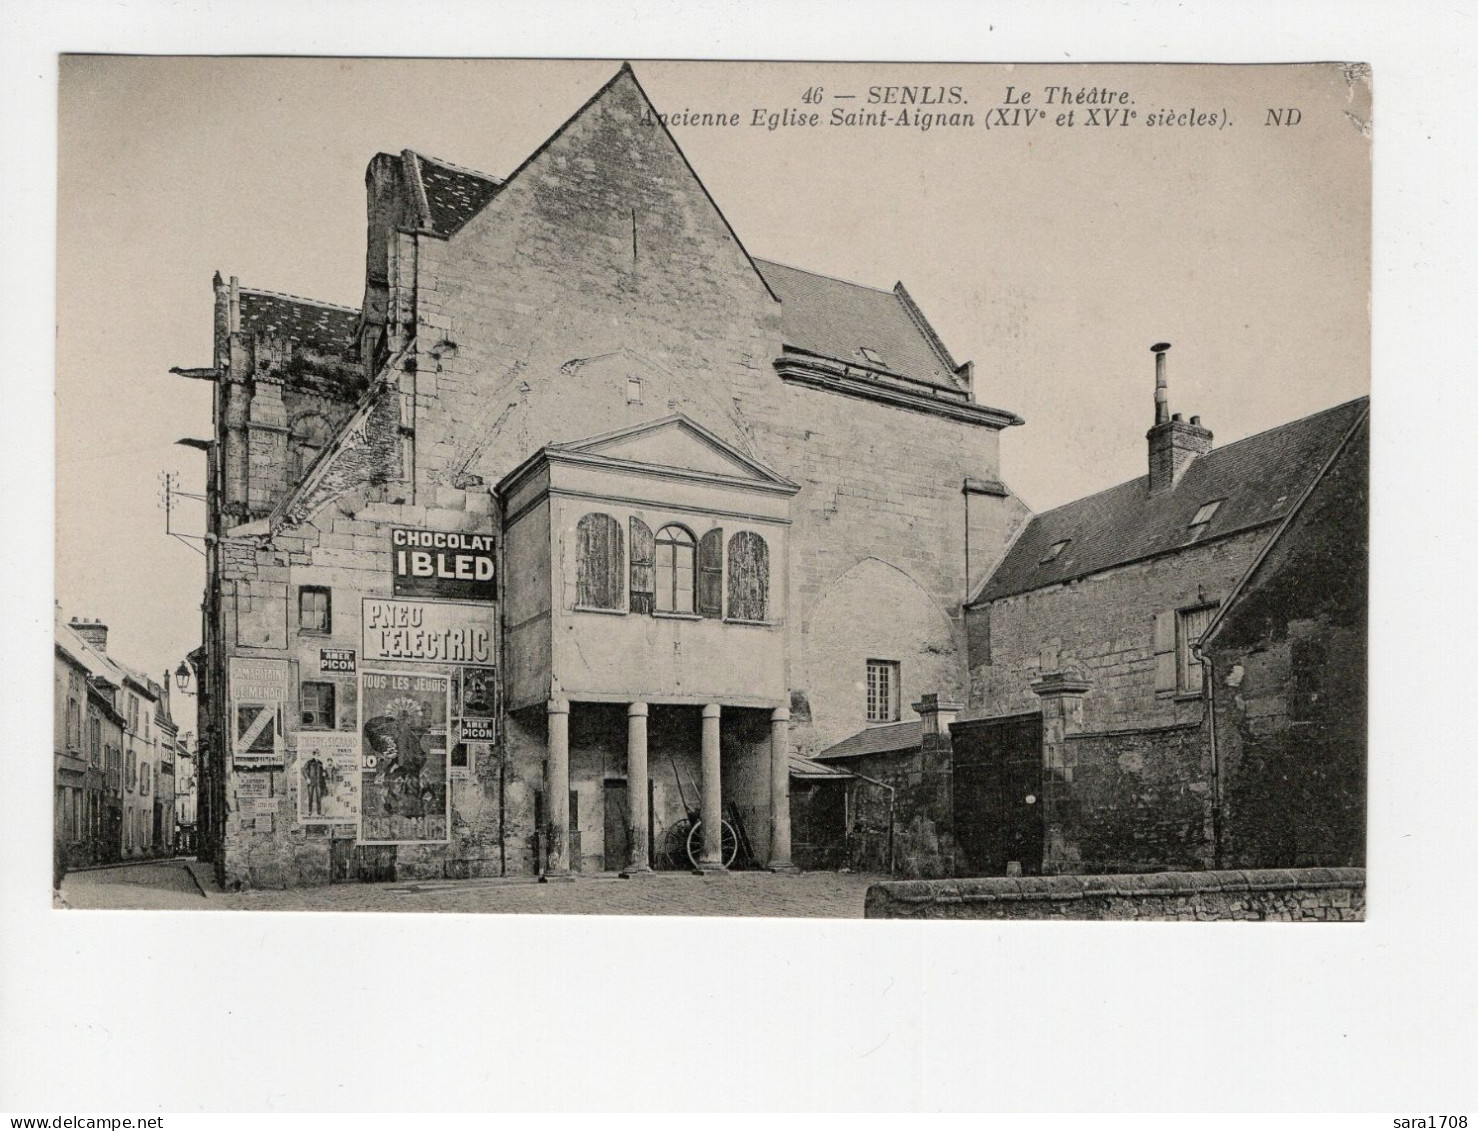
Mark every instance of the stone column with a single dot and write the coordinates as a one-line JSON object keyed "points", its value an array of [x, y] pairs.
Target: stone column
{"points": [[557, 792], [780, 791], [710, 807], [636, 788], [1061, 694]]}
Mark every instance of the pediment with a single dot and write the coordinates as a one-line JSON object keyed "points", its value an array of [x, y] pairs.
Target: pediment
{"points": [[674, 443]]}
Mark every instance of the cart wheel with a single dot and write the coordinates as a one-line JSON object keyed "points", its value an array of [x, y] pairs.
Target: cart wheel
{"points": [[728, 844]]}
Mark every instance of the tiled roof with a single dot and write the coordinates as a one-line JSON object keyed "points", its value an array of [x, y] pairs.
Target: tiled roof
{"points": [[877, 740], [840, 320], [1258, 480], [318, 325], [453, 194]]}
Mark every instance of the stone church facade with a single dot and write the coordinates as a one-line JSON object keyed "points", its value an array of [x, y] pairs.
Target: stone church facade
{"points": [[574, 532]]}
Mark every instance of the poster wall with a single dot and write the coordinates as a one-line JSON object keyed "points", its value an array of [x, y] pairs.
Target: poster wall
{"points": [[260, 690], [404, 721], [328, 777]]}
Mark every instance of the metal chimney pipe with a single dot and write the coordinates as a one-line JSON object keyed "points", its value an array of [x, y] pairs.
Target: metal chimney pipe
{"points": [[1162, 402]]}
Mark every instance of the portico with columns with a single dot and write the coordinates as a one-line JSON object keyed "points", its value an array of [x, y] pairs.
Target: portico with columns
{"points": [[646, 601]]}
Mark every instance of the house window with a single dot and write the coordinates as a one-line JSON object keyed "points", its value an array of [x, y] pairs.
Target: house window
{"points": [[1204, 515], [74, 725], [317, 703], [676, 550], [600, 565], [633, 390], [882, 691], [315, 610], [749, 577], [133, 713], [1190, 626], [144, 778], [95, 741]]}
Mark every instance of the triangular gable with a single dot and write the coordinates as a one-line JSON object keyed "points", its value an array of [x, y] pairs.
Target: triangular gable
{"points": [[623, 83], [674, 442]]}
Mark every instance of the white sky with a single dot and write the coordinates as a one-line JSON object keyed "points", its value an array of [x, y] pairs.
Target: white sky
{"points": [[1050, 256]]}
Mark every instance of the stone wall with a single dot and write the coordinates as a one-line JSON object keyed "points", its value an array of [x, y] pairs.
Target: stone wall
{"points": [[1137, 800], [1102, 627], [1318, 895]]}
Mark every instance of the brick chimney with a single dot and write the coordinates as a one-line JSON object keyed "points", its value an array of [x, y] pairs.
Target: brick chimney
{"points": [[95, 632], [1173, 442]]}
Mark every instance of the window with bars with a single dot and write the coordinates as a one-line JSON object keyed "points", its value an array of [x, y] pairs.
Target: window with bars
{"points": [[882, 691], [675, 561], [315, 609], [316, 703]]}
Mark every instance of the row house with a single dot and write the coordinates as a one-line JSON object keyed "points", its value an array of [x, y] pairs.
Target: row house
{"points": [[114, 752]]}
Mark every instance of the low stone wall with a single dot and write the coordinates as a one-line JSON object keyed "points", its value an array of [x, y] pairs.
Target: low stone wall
{"points": [[1281, 894]]}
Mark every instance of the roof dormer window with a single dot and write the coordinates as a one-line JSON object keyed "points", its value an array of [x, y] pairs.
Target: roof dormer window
{"points": [[1054, 551], [871, 356], [1203, 516]]}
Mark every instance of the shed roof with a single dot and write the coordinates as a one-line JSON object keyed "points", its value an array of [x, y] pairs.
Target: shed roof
{"points": [[808, 769], [884, 739], [1256, 481]]}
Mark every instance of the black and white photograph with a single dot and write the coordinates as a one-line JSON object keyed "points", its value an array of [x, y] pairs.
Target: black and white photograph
{"points": [[829, 559]]}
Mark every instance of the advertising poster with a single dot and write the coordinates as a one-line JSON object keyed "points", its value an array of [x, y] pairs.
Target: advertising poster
{"points": [[430, 632], [328, 777], [405, 757], [259, 690]]}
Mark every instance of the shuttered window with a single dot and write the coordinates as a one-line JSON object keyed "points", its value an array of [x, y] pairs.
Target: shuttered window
{"points": [[749, 577], [675, 570], [1191, 626], [600, 563], [711, 574], [643, 567]]}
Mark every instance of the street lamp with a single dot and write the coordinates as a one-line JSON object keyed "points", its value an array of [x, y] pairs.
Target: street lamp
{"points": [[182, 676]]}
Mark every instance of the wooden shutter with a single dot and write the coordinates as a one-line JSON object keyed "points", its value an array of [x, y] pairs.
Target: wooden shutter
{"points": [[643, 566], [711, 573], [749, 576], [599, 562], [1165, 653]]}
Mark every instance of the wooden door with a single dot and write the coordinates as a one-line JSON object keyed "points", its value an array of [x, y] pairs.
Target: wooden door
{"points": [[618, 825], [998, 795]]}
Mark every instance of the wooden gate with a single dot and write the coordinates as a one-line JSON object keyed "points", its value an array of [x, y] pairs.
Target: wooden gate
{"points": [[998, 795]]}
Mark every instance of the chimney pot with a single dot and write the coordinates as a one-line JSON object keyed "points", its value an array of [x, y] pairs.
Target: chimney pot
{"points": [[1196, 420], [1175, 416]]}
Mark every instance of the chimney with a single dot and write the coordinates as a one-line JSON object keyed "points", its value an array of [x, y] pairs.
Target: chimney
{"points": [[95, 632], [1173, 442]]}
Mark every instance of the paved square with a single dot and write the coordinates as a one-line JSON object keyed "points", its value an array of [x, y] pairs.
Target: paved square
{"points": [[168, 885]]}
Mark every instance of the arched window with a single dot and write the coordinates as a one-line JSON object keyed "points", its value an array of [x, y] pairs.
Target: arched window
{"points": [[308, 435], [675, 568], [749, 577], [600, 563]]}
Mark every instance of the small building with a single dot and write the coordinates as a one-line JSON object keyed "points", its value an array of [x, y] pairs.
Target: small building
{"points": [[1287, 669]]}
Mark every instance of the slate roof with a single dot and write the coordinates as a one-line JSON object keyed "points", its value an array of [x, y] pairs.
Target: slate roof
{"points": [[877, 740], [1259, 480], [453, 194], [319, 325], [838, 319]]}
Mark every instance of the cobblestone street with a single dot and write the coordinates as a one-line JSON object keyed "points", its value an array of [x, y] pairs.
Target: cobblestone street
{"points": [[168, 885]]}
